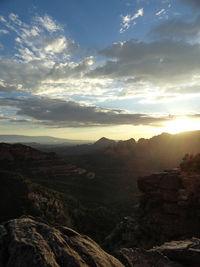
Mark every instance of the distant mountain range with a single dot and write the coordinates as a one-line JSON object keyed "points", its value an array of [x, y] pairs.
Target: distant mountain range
{"points": [[142, 157], [40, 139]]}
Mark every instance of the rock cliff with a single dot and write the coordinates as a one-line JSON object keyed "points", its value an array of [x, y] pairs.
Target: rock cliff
{"points": [[171, 204], [168, 209]]}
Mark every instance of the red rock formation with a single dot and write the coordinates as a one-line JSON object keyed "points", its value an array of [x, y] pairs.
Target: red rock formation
{"points": [[171, 201]]}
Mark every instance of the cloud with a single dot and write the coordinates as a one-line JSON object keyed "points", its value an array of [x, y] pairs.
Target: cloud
{"points": [[56, 45], [7, 88], [15, 19], [60, 113], [41, 62], [178, 29], [192, 89], [160, 12], [2, 31], [194, 3], [46, 64], [160, 61], [48, 23], [42, 39], [39, 77], [128, 19]]}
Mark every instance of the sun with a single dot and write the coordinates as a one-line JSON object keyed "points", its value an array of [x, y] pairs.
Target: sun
{"points": [[181, 124]]}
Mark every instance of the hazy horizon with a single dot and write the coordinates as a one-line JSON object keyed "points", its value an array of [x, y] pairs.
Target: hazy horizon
{"points": [[92, 140]]}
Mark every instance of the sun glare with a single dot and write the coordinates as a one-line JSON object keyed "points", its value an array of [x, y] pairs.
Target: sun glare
{"points": [[181, 124]]}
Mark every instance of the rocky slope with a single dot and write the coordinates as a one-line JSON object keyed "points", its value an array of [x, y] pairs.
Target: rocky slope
{"points": [[57, 191], [19, 196], [29, 242], [34, 163]]}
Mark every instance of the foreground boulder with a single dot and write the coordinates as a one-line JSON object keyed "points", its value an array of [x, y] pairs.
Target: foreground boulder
{"points": [[29, 242]]}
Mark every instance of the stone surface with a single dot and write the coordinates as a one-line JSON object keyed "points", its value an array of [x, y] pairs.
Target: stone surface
{"points": [[171, 204], [169, 209], [171, 254], [142, 258], [185, 252], [27, 242]]}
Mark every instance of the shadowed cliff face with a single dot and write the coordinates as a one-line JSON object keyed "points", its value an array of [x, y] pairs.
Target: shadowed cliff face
{"points": [[169, 209], [171, 202]]}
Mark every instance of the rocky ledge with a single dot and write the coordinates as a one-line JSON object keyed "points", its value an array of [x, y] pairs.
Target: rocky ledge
{"points": [[28, 241]]}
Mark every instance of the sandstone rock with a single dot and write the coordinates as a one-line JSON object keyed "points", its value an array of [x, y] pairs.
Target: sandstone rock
{"points": [[170, 254], [143, 258], [28, 242], [170, 204], [185, 252], [169, 209]]}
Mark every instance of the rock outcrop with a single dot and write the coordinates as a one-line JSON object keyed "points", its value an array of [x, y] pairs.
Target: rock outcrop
{"points": [[171, 254], [29, 242], [171, 204], [168, 209]]}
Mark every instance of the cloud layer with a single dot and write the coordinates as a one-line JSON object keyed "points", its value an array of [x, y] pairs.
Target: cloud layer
{"points": [[51, 71], [60, 113]]}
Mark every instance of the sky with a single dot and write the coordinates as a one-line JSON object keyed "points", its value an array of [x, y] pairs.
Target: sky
{"points": [[83, 69]]}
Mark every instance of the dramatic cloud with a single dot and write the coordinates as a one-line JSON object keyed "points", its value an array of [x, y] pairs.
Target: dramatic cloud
{"points": [[49, 69], [60, 113], [162, 61], [128, 19], [42, 61]]}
